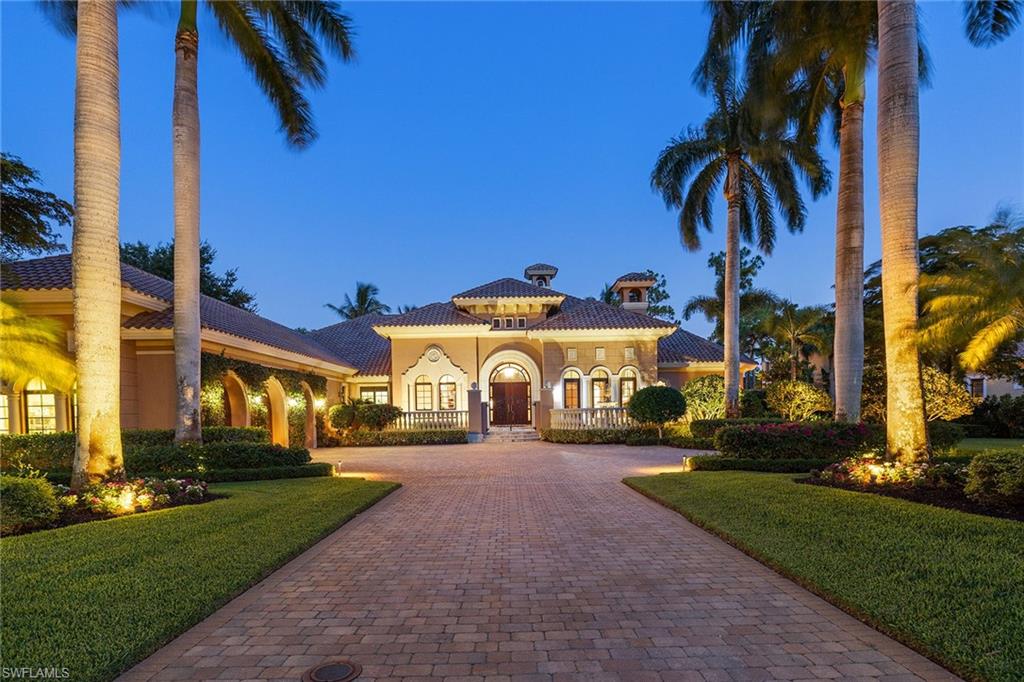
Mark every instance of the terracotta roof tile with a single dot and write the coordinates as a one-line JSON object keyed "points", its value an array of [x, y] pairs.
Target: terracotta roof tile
{"points": [[682, 346], [356, 342], [635, 277], [508, 288], [590, 314], [54, 272], [432, 314]]}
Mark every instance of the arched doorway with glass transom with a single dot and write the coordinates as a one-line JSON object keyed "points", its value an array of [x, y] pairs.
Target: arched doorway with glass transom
{"points": [[510, 397]]}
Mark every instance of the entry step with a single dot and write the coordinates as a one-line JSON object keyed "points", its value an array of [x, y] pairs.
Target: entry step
{"points": [[513, 435]]}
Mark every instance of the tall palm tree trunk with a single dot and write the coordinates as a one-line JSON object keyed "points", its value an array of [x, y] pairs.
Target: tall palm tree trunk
{"points": [[95, 259], [793, 357], [731, 321], [848, 369], [898, 141], [185, 124]]}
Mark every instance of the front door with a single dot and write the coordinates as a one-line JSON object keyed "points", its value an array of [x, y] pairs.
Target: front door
{"points": [[511, 403]]}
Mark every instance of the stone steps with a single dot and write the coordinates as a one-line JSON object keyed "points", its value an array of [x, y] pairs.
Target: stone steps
{"points": [[514, 435]]}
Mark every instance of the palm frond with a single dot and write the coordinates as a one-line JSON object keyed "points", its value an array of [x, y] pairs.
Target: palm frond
{"points": [[989, 21]]}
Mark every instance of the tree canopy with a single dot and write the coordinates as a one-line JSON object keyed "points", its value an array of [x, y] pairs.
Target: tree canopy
{"points": [[159, 260], [31, 215], [367, 302]]}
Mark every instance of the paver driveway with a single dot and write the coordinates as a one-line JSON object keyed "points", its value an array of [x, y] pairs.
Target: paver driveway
{"points": [[528, 561]]}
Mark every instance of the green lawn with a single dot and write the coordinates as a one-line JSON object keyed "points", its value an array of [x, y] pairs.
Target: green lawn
{"points": [[949, 584], [975, 444], [99, 597]]}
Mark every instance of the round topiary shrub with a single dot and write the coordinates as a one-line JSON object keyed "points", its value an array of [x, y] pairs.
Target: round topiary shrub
{"points": [[26, 503], [797, 400], [657, 405]]}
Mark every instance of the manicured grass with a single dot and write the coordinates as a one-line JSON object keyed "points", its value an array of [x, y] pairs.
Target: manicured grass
{"points": [[98, 597], [974, 444], [947, 583]]}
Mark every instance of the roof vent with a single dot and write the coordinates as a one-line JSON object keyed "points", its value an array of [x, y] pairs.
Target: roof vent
{"points": [[540, 274]]}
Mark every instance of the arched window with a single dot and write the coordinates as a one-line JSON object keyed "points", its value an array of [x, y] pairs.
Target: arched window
{"points": [[40, 407], [424, 393], [600, 389], [571, 390], [446, 393], [627, 385]]}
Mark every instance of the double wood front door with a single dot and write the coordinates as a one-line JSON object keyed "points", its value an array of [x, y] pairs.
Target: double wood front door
{"points": [[511, 403]]}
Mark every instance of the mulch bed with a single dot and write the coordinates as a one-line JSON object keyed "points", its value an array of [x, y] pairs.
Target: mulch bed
{"points": [[950, 498]]}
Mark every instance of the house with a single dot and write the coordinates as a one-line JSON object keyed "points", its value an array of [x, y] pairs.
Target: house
{"points": [[518, 346]]}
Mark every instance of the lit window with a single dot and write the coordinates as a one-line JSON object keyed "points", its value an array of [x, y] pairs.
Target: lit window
{"points": [[374, 394], [570, 354], [599, 353], [571, 390], [446, 393], [509, 323], [521, 322], [495, 323], [627, 385], [978, 387], [424, 393], [600, 389], [5, 415], [630, 353], [40, 408]]}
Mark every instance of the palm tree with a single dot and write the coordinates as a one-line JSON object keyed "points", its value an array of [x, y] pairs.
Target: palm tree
{"points": [[983, 294], [754, 302], [32, 348], [758, 163], [95, 263], [366, 303], [987, 22], [278, 41], [796, 327]]}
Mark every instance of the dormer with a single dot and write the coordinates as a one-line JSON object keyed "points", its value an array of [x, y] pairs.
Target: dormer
{"points": [[632, 289], [540, 274]]}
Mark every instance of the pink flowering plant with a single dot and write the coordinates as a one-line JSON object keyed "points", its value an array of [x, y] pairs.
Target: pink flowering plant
{"points": [[117, 497]]}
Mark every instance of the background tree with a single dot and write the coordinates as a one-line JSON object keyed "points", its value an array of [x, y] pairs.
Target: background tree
{"points": [[280, 44], [796, 327], [657, 297], [402, 309], [366, 302], [29, 213], [159, 260], [758, 161]]}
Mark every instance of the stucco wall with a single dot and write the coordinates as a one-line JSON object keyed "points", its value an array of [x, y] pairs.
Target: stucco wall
{"points": [[156, 389], [676, 377], [556, 358]]}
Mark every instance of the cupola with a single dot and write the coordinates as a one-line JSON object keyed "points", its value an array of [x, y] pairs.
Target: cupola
{"points": [[632, 289], [541, 274]]}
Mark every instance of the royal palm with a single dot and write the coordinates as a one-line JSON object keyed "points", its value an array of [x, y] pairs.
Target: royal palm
{"points": [[756, 164], [280, 45]]}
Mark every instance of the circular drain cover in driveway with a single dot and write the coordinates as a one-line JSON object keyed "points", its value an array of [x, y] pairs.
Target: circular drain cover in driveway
{"points": [[333, 671]]}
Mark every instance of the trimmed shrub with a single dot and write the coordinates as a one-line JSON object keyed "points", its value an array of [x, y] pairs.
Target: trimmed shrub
{"points": [[996, 477], [707, 428], [754, 404], [315, 469], [797, 400], [1001, 417], [26, 503], [944, 397], [364, 437], [830, 441], [174, 458], [778, 466], [690, 442], [705, 397], [944, 436], [56, 451], [639, 435], [358, 414], [657, 405]]}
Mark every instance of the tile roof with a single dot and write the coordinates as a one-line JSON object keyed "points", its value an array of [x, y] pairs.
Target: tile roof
{"points": [[635, 277], [682, 346], [541, 268], [432, 314], [577, 313], [54, 272], [355, 342], [508, 288]]}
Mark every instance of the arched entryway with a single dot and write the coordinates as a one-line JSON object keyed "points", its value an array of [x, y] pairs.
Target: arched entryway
{"points": [[277, 412], [510, 395], [236, 401]]}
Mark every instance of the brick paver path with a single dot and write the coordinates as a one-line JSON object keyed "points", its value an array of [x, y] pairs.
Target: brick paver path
{"points": [[528, 562]]}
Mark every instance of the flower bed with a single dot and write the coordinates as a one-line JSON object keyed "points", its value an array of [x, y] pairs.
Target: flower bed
{"points": [[992, 484], [28, 504]]}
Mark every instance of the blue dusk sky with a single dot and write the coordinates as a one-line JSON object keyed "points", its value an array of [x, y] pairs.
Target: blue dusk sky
{"points": [[471, 139]]}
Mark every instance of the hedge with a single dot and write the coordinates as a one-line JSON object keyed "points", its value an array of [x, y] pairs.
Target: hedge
{"points": [[777, 466], [707, 428], [798, 440], [631, 436], [56, 451], [26, 503], [690, 442], [168, 458], [316, 469], [996, 477], [366, 438], [944, 435]]}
